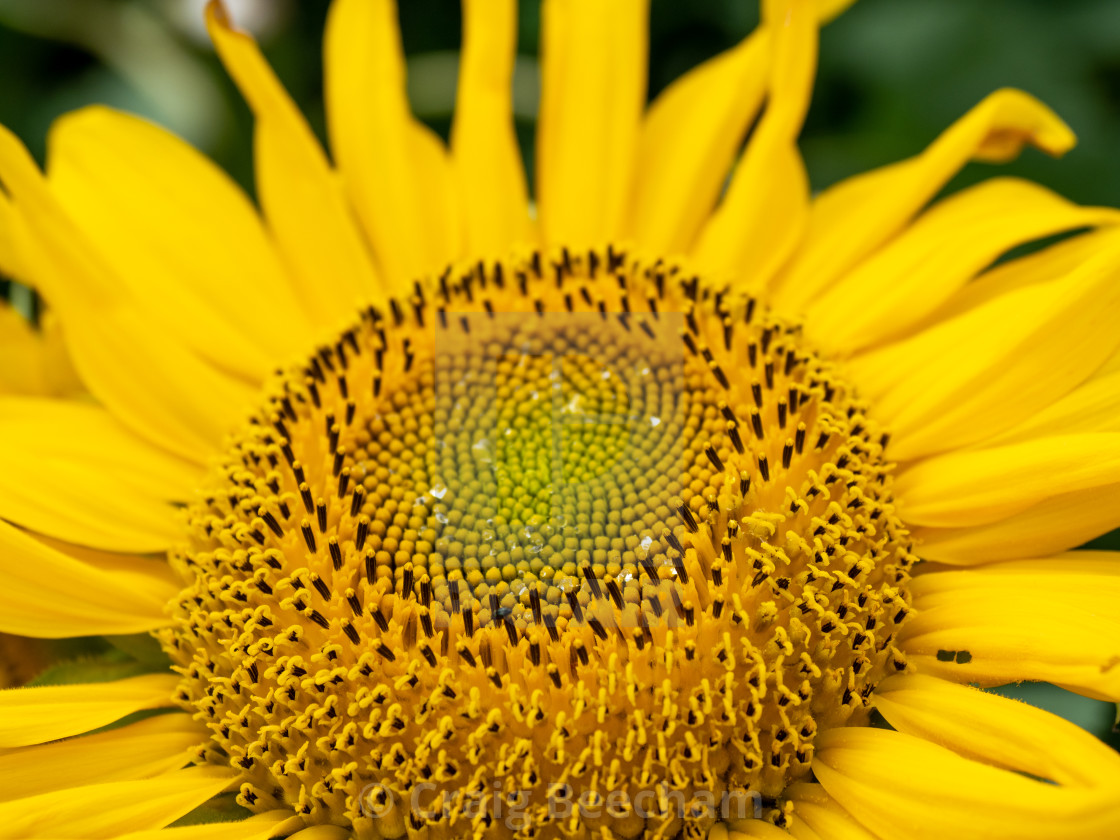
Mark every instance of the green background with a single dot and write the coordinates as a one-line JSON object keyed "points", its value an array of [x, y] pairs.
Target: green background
{"points": [[893, 73]]}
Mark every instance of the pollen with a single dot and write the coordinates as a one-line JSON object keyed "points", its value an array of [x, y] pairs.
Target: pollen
{"points": [[572, 539]]}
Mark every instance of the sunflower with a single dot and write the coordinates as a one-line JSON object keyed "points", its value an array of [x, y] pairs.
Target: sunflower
{"points": [[671, 504]]}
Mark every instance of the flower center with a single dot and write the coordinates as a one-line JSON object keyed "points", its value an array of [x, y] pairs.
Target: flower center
{"points": [[571, 542]]}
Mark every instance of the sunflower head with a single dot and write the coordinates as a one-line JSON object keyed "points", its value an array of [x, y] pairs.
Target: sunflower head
{"points": [[552, 537], [561, 527]]}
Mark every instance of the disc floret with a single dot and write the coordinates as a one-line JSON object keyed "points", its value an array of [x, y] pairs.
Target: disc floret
{"points": [[553, 530]]}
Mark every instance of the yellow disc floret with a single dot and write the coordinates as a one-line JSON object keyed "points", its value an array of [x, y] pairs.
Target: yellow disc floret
{"points": [[559, 545]]}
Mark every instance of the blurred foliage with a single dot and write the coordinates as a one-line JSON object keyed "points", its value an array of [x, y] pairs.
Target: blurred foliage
{"points": [[893, 74]]}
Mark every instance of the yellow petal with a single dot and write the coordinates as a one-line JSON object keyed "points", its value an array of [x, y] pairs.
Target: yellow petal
{"points": [[181, 237], [278, 823], [976, 487], [895, 288], [41, 714], [756, 830], [322, 832], [301, 196], [484, 148], [374, 141], [901, 786], [850, 220], [58, 368], [138, 751], [70, 470], [766, 207], [1056, 524], [800, 830], [9, 249], [1111, 365], [1101, 565], [51, 594], [1050, 263], [996, 730], [992, 367], [813, 807], [687, 143], [435, 179], [21, 352], [109, 809], [829, 9], [593, 88], [32, 361], [1093, 407], [1060, 628], [124, 355]]}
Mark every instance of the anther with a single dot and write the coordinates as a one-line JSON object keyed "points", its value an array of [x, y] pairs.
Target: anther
{"points": [[362, 532], [713, 456], [270, 521], [615, 592], [379, 618], [689, 521], [573, 602], [592, 581], [308, 535], [733, 433]]}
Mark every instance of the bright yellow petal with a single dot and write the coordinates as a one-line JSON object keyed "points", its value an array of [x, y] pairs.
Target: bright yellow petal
{"points": [[138, 751], [814, 807], [301, 196], [1093, 407], [37, 715], [21, 350], [997, 730], [1111, 365], [71, 471], [829, 9], [124, 356], [901, 786], [850, 220], [1093, 563], [435, 179], [32, 361], [977, 487], [180, 235], [9, 249], [51, 594], [1059, 627], [484, 148], [278, 823], [966, 379], [112, 808], [914, 274], [593, 88], [374, 141], [1056, 524], [688, 140], [1050, 263], [58, 368], [766, 207]]}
